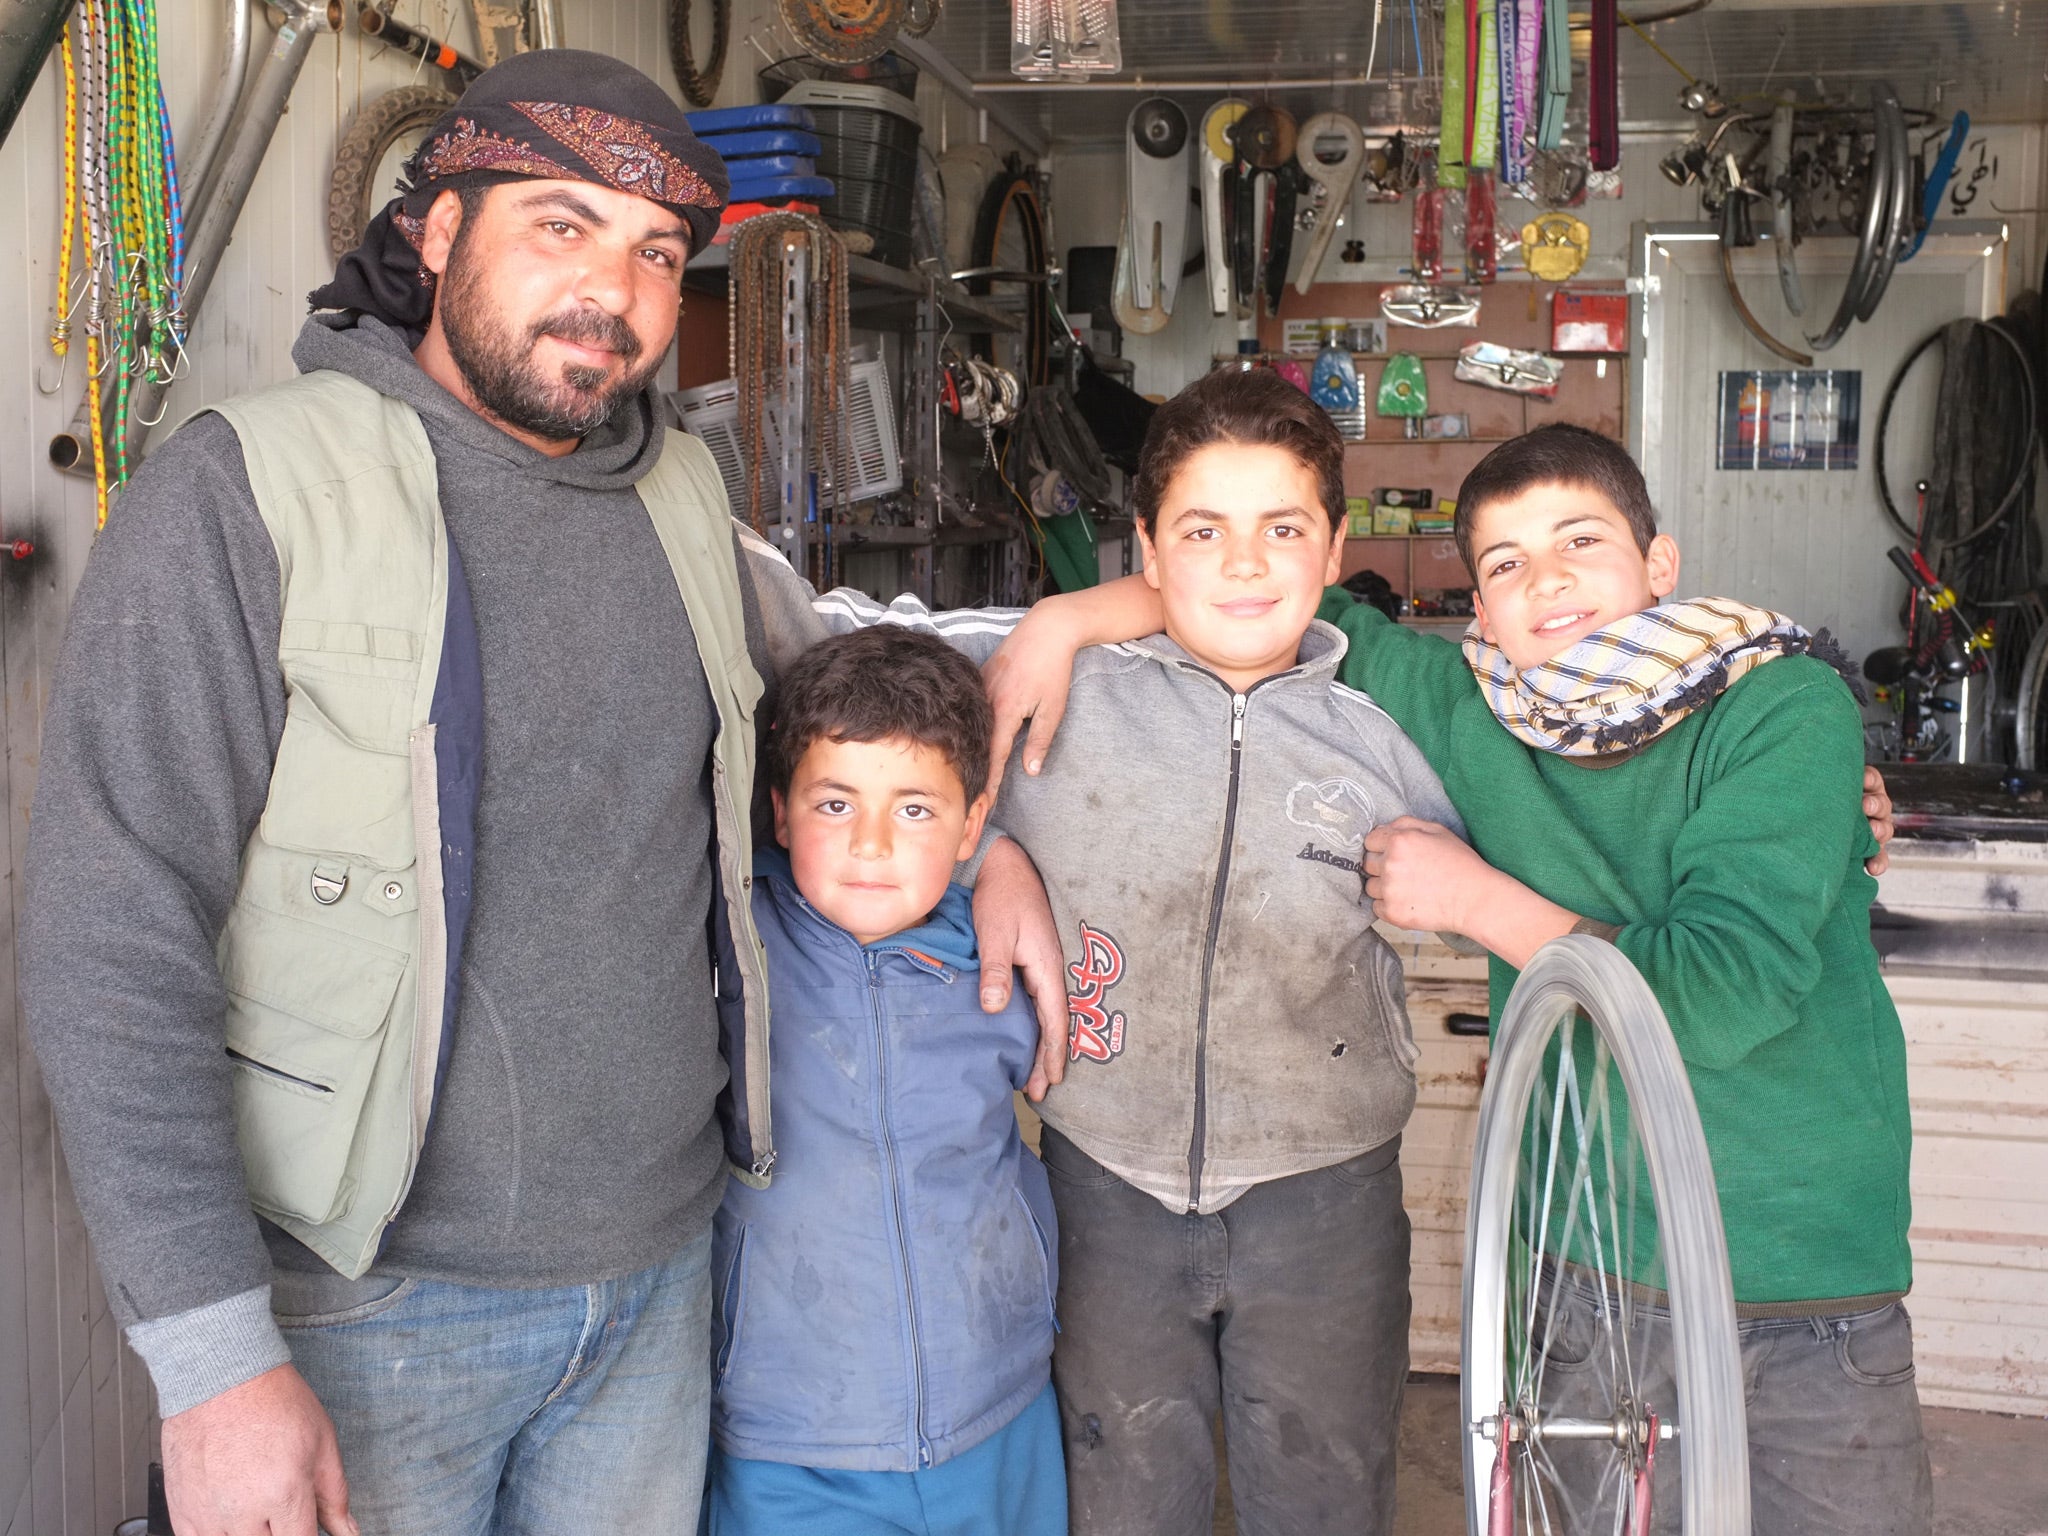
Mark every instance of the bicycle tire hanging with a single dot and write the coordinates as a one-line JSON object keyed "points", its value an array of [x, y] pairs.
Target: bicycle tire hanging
{"points": [[699, 83]]}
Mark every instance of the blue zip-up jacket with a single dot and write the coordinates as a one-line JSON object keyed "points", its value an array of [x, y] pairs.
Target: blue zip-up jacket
{"points": [[887, 1303]]}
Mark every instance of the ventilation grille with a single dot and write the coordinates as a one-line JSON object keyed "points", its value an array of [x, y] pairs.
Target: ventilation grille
{"points": [[711, 412]]}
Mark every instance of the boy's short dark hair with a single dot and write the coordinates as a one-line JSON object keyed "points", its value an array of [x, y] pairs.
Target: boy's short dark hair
{"points": [[878, 683], [1558, 454], [1257, 408]]}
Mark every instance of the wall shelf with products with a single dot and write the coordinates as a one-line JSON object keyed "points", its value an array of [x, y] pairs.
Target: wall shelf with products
{"points": [[1593, 393]]}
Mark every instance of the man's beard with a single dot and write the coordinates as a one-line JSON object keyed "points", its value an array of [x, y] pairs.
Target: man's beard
{"points": [[499, 368]]}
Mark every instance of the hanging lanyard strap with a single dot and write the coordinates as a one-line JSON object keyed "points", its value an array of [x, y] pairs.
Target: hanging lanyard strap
{"points": [[1556, 74], [1485, 145], [1450, 163], [1604, 104]]}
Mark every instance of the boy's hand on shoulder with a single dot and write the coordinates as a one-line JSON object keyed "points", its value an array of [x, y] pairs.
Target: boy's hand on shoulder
{"points": [[1877, 808], [1422, 875], [1028, 679], [1013, 926]]}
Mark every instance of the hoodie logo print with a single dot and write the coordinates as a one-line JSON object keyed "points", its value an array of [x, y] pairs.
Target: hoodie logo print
{"points": [[1096, 1033], [1339, 808]]}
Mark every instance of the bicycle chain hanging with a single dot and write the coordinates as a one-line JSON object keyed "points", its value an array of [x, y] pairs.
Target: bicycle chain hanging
{"points": [[122, 253], [699, 85], [754, 353], [843, 31]]}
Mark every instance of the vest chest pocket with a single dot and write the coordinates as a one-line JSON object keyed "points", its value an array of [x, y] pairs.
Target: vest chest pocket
{"points": [[333, 792], [307, 1019]]}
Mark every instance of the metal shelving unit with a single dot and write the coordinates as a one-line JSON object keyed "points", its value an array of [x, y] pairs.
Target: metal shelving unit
{"points": [[927, 308]]}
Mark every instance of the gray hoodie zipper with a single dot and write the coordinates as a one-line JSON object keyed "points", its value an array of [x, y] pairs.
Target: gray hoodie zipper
{"points": [[924, 1448], [1237, 704]]}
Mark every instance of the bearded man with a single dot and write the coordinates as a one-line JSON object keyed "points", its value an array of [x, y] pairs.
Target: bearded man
{"points": [[388, 936]]}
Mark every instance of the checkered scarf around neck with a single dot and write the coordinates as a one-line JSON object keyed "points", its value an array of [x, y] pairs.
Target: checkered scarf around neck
{"points": [[1630, 681], [555, 114]]}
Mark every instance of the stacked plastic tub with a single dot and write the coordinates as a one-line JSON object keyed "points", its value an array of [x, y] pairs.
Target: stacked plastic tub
{"points": [[867, 128], [770, 154]]}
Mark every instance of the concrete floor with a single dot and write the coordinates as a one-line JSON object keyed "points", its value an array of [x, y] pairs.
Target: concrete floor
{"points": [[1990, 1470]]}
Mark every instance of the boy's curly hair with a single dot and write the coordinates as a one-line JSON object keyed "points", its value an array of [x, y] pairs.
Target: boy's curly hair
{"points": [[879, 683]]}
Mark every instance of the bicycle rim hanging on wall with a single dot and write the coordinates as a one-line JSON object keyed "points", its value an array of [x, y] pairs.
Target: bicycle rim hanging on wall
{"points": [[1602, 1378]]}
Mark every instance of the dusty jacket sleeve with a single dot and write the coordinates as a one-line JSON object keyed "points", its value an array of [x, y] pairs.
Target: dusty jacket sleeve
{"points": [[156, 759], [1759, 865]]}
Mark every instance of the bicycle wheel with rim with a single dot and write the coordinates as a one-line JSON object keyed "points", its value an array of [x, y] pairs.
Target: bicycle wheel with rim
{"points": [[1590, 1165], [2031, 723]]}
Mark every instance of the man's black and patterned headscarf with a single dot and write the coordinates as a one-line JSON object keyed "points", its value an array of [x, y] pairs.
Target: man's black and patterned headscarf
{"points": [[556, 114]]}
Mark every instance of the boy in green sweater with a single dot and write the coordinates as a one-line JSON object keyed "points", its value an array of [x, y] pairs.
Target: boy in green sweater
{"points": [[1682, 780]]}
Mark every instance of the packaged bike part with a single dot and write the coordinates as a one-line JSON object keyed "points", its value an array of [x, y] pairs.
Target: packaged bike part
{"points": [[1429, 308], [1482, 255], [1334, 384], [1293, 373], [1455, 424], [1426, 258], [1031, 46], [1400, 496], [1404, 390], [1499, 367], [1589, 322], [1085, 39]]}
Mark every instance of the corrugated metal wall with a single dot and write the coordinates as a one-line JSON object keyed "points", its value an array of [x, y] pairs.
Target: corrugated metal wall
{"points": [[75, 1427]]}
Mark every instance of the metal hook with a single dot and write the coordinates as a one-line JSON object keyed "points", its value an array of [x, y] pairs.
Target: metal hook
{"points": [[64, 367], [163, 407]]}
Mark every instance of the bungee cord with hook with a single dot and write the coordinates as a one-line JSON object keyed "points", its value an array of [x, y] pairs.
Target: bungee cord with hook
{"points": [[122, 251]]}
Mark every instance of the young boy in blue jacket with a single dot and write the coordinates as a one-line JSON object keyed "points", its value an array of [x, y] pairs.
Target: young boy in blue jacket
{"points": [[884, 1327]]}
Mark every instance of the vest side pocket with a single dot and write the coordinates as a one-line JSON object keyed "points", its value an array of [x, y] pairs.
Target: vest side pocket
{"points": [[307, 1006], [334, 793]]}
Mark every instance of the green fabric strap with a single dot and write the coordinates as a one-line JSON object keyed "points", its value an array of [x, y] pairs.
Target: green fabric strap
{"points": [[1557, 74], [1485, 146], [1450, 159]]}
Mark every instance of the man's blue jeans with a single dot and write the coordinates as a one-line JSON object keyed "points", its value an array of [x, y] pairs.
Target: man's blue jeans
{"points": [[466, 1411]]}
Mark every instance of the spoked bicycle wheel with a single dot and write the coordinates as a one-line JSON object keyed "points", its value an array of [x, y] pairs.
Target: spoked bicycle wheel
{"points": [[1601, 1367]]}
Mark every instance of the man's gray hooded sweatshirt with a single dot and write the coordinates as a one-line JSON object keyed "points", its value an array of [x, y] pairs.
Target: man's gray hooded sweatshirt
{"points": [[1233, 1016], [574, 1137]]}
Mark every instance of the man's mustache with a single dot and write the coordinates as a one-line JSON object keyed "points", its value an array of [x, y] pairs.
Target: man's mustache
{"points": [[591, 328]]}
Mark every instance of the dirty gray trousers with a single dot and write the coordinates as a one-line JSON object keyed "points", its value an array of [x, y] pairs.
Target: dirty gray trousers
{"points": [[1835, 1442], [1287, 1311]]}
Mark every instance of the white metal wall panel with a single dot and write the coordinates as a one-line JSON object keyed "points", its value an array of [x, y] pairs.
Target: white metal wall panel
{"points": [[1805, 542], [75, 1426]]}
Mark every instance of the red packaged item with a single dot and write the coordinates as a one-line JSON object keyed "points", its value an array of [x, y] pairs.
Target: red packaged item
{"points": [[1428, 254], [1482, 257], [1588, 322]]}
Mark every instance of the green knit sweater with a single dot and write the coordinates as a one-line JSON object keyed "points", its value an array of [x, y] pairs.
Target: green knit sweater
{"points": [[1730, 853]]}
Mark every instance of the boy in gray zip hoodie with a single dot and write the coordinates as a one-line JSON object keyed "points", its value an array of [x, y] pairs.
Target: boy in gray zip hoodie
{"points": [[1223, 1151]]}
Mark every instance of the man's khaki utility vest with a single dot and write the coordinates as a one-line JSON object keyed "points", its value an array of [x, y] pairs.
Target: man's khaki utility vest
{"points": [[335, 954]]}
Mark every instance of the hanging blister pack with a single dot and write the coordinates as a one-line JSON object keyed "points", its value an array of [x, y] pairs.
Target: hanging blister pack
{"points": [[1499, 367], [1053, 39], [1031, 52], [1085, 39]]}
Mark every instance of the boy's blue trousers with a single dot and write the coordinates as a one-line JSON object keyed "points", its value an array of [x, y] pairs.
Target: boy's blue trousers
{"points": [[1012, 1484]]}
